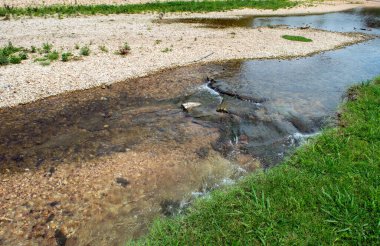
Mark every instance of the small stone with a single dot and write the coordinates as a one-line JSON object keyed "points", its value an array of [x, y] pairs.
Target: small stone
{"points": [[122, 181], [50, 218], [18, 158], [53, 204], [51, 170], [60, 237]]}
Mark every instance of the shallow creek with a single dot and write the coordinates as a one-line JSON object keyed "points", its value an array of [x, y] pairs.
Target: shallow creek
{"points": [[95, 167]]}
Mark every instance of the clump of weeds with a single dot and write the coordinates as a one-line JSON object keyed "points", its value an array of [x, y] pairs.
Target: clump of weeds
{"points": [[66, 56], [10, 54], [166, 50], [103, 48], [44, 55], [124, 50], [85, 51]]}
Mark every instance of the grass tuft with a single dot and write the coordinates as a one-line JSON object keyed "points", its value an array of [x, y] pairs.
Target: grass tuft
{"points": [[161, 7], [124, 50], [297, 38], [66, 56], [53, 56], [85, 51], [166, 50], [9, 54], [3, 60], [46, 48], [15, 59], [103, 48]]}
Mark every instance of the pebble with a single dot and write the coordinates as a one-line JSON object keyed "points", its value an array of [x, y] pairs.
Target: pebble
{"points": [[122, 181]]}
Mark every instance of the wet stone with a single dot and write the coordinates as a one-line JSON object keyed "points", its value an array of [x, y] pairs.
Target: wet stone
{"points": [[170, 207], [122, 181], [60, 237], [50, 218], [39, 162], [53, 204], [203, 152], [50, 172], [18, 158], [301, 123], [2, 158], [189, 105]]}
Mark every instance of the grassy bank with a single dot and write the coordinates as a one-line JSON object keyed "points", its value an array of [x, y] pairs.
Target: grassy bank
{"points": [[327, 193], [173, 6]]}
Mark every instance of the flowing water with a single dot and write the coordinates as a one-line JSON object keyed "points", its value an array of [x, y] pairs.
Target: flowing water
{"points": [[135, 154]]}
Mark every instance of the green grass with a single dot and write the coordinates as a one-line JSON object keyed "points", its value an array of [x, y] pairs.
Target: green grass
{"points": [[53, 56], [166, 50], [297, 38], [15, 59], [85, 51], [124, 50], [66, 56], [174, 6], [327, 193], [10, 54], [103, 48], [46, 47]]}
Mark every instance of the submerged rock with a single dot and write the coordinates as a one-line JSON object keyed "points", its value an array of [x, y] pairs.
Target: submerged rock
{"points": [[170, 207], [189, 105]]}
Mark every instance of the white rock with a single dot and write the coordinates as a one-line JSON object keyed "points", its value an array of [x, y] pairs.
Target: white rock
{"points": [[190, 105]]}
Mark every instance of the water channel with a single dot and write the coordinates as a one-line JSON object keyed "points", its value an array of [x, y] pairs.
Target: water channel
{"points": [[252, 114]]}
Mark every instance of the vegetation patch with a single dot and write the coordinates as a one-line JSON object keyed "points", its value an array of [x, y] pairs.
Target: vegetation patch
{"points": [[166, 50], [10, 54], [85, 51], [297, 38], [103, 48], [172, 6], [66, 56], [327, 193], [44, 55], [124, 50]]}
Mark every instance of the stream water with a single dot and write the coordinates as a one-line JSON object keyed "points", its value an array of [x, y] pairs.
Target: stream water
{"points": [[252, 113]]}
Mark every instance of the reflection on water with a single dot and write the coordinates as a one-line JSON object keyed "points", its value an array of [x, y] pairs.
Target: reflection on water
{"points": [[296, 96], [365, 20], [361, 19]]}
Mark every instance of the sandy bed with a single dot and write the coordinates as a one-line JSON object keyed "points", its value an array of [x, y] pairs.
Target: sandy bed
{"points": [[186, 44]]}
